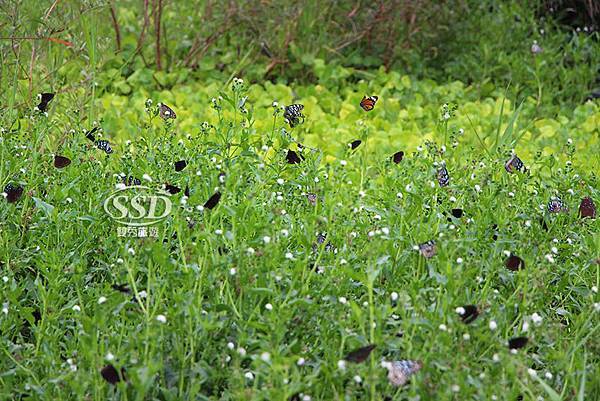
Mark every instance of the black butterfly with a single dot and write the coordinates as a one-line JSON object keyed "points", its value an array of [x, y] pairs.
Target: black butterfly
{"points": [[121, 288], [293, 114], [45, 98], [361, 354], [514, 263], [213, 201], [180, 165], [514, 163], [428, 249], [471, 312], [186, 191], [397, 157], [166, 112], [61, 161], [495, 235], [517, 342], [293, 158], [172, 189], [457, 213], [355, 144], [587, 208], [131, 180], [556, 205], [443, 177], [90, 134], [111, 375], [13, 192], [104, 145]]}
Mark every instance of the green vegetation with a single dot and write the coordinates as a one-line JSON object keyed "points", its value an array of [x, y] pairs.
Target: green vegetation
{"points": [[263, 296]]}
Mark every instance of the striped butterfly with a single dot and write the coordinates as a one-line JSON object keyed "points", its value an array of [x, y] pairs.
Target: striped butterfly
{"points": [[368, 103]]}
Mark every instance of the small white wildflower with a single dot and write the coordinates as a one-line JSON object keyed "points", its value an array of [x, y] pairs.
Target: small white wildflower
{"points": [[594, 288], [341, 364], [536, 319], [385, 231], [443, 327], [69, 200], [289, 255], [511, 194], [459, 260], [399, 195], [342, 300], [554, 250], [357, 379], [460, 310], [532, 372], [5, 308], [249, 375], [241, 351], [250, 251], [466, 336], [101, 300], [408, 187], [161, 318], [266, 239], [316, 179], [301, 362], [5, 279], [362, 194], [528, 223], [343, 162], [120, 186], [549, 258], [506, 253], [232, 271], [265, 356], [477, 188], [570, 141], [143, 294], [597, 306], [548, 375], [147, 177], [343, 261], [269, 307], [496, 358], [455, 388], [525, 326], [493, 325], [419, 148], [230, 345], [394, 296], [280, 181], [452, 199], [76, 308], [109, 357], [131, 251]]}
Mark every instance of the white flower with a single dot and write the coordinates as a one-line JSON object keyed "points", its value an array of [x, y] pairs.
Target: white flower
{"points": [[511, 194], [455, 388], [301, 362], [399, 195], [269, 307], [343, 162], [443, 327], [466, 336], [265, 356], [460, 310], [109, 357], [394, 296], [266, 239], [357, 379], [147, 177], [280, 181], [525, 326], [548, 375], [452, 199], [143, 294], [241, 351], [408, 187], [341, 364], [219, 232], [343, 261], [493, 325], [249, 375], [362, 194], [536, 319], [594, 288], [549, 258], [554, 250], [230, 345], [131, 251], [459, 260], [385, 230], [597, 306], [532, 372], [101, 300], [5, 308], [477, 188], [570, 141], [316, 179], [250, 251], [161, 318], [199, 208], [528, 223], [76, 308], [69, 200], [506, 253], [120, 186], [232, 271], [342, 300], [496, 358], [5, 279], [289, 256]]}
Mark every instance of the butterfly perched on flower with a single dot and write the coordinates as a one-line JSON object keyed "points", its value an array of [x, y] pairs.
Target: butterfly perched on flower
{"points": [[293, 114], [368, 103], [45, 98], [517, 342], [428, 249], [180, 165], [13, 192], [400, 371], [293, 157], [397, 157], [355, 144], [104, 145], [514, 164], [165, 112], [111, 375], [443, 177], [468, 313], [131, 181], [556, 205]]}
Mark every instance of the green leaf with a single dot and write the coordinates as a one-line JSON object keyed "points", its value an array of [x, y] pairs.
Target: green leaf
{"points": [[46, 207]]}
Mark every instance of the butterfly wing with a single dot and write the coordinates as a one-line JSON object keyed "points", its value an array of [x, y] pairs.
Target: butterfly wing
{"points": [[61, 161]]}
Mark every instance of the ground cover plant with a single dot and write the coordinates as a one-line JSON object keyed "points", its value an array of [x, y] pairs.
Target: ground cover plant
{"points": [[355, 234]]}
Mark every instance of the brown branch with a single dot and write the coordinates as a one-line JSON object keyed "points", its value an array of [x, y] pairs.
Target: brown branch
{"points": [[140, 42], [115, 22], [31, 64], [157, 16]]}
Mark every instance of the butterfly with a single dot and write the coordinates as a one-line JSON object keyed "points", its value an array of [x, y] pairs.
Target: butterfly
{"points": [[457, 213], [361, 354], [368, 103], [293, 114], [121, 288], [312, 198], [428, 249], [213, 200], [514, 263], [293, 158], [443, 177], [13, 192], [355, 144], [172, 189], [587, 208], [104, 145], [514, 163], [110, 374], [556, 205], [90, 134], [61, 161], [166, 112], [131, 180], [400, 371], [45, 98], [517, 342], [186, 191], [468, 313], [397, 157], [180, 165]]}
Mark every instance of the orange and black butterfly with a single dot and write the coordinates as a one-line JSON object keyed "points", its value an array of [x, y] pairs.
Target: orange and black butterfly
{"points": [[368, 103]]}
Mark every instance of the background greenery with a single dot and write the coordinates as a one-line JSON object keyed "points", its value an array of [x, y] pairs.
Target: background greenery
{"points": [[211, 274]]}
